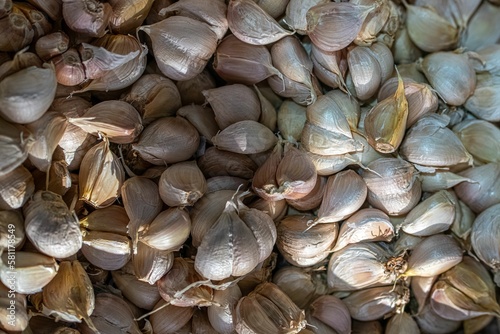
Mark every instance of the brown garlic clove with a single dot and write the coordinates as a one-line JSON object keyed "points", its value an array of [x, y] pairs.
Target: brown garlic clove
{"points": [[50, 226], [126, 16], [89, 17], [51, 45], [18, 32], [216, 162], [17, 187], [191, 89], [203, 119], [245, 137], [251, 24]]}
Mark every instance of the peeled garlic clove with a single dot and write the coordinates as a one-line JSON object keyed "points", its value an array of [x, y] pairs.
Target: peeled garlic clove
{"points": [[345, 193], [179, 277], [333, 26], [385, 124], [296, 283], [362, 265], [331, 311], [19, 91], [221, 316], [105, 250], [182, 184], [182, 46], [430, 143], [70, 293], [433, 256], [226, 99], [365, 70], [429, 30], [101, 176], [372, 304], [451, 75], [237, 61], [170, 318], [216, 162], [168, 231], [245, 137], [364, 225], [167, 140], [50, 226], [89, 17], [484, 238], [31, 273], [480, 138], [402, 323], [251, 24], [303, 246], [17, 187], [433, 215], [150, 264], [484, 191]]}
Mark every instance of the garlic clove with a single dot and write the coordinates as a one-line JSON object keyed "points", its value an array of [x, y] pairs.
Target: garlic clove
{"points": [[421, 288], [296, 11], [234, 183], [105, 250], [17, 188], [480, 138], [112, 219], [88, 17], [221, 316], [402, 323], [69, 68], [484, 191], [200, 324], [333, 26], [170, 318], [268, 115], [331, 311], [14, 221], [191, 89], [202, 118], [430, 321], [251, 24], [318, 140], [440, 180], [372, 304], [151, 264], [433, 256], [20, 322], [291, 118], [479, 34], [245, 137], [275, 209], [296, 283], [19, 30], [272, 7], [405, 51], [216, 162], [14, 144], [182, 184], [330, 67], [126, 16], [365, 71], [364, 225], [313, 199]]}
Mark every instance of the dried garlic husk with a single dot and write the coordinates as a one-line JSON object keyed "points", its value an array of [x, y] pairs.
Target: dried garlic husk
{"points": [[117, 120], [31, 273], [170, 318], [333, 26], [363, 265], [291, 118], [173, 286], [150, 264], [17, 187], [213, 14], [27, 94], [480, 138], [392, 184], [433, 215], [484, 189], [430, 143], [142, 203], [331, 311], [267, 309], [433, 256], [237, 61], [430, 322], [484, 238], [421, 98], [429, 30], [345, 193], [365, 225], [385, 124], [221, 315], [182, 46], [11, 220], [374, 303], [69, 295], [236, 243], [296, 283], [101, 176], [216, 162], [451, 75], [167, 140], [19, 322], [226, 100], [168, 231], [251, 24], [245, 137], [50, 226], [182, 184], [110, 313], [402, 322], [483, 103], [303, 246], [47, 131], [109, 251], [89, 17]]}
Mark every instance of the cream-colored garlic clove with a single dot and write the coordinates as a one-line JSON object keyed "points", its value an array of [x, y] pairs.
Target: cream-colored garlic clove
{"points": [[101, 176], [364, 225], [182, 46], [251, 24], [484, 191], [182, 184], [245, 137], [172, 286], [105, 250], [303, 246], [433, 215], [17, 188], [50, 226], [433, 256]]}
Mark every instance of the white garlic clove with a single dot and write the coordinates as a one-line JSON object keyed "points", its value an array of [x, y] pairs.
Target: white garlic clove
{"points": [[421, 288], [441, 180], [17, 188], [297, 283], [331, 311], [105, 250], [221, 316], [372, 304], [365, 70], [150, 264], [182, 184], [480, 138]]}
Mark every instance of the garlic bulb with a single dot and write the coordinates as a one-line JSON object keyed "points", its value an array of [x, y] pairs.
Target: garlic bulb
{"points": [[50, 226], [19, 91], [236, 243], [182, 46]]}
